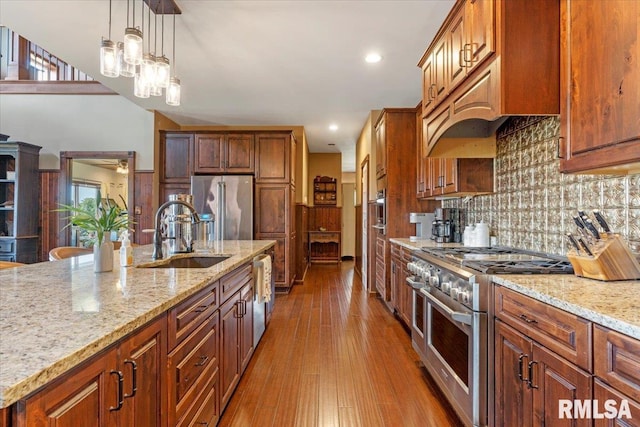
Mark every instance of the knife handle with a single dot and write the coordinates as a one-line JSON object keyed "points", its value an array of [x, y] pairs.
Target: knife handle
{"points": [[592, 228], [603, 222], [578, 222], [574, 242], [585, 246]]}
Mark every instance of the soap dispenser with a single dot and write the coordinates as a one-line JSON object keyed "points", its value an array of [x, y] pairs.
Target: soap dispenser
{"points": [[126, 251]]}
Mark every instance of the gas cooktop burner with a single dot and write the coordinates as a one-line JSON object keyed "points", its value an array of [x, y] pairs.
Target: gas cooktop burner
{"points": [[502, 260]]}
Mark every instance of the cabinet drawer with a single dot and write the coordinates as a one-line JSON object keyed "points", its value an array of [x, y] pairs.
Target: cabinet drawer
{"points": [[564, 333], [617, 360], [233, 281], [205, 410], [197, 354], [187, 315], [396, 251], [6, 246]]}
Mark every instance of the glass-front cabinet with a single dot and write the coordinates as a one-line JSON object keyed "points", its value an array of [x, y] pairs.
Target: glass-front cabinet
{"points": [[19, 192]]}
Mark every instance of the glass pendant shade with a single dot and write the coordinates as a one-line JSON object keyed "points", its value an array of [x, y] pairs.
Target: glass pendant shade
{"points": [[133, 46], [109, 66], [148, 68], [163, 72], [173, 92], [141, 88], [155, 90], [126, 69]]}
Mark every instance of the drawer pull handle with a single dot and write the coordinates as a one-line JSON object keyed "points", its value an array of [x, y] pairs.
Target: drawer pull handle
{"points": [[531, 365], [202, 423], [134, 377], [526, 319], [521, 367], [203, 361], [120, 391], [201, 308]]}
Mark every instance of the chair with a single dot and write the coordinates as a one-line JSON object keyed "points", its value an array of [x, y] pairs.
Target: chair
{"points": [[10, 264], [63, 252]]}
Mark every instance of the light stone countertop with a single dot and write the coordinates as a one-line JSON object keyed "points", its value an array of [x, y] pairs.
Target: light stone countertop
{"points": [[615, 305], [54, 315]]}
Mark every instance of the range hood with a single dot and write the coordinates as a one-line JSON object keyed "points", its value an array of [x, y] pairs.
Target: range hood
{"points": [[468, 138]]}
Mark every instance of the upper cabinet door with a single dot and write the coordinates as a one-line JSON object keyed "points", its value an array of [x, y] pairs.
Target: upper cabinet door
{"points": [[176, 164], [273, 158], [239, 156], [209, 153], [600, 86], [480, 23], [381, 149], [457, 39]]}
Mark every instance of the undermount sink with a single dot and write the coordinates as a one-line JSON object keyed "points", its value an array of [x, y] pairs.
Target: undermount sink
{"points": [[187, 262]]}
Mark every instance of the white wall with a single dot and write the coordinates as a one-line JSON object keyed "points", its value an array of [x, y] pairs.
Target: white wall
{"points": [[78, 123]]}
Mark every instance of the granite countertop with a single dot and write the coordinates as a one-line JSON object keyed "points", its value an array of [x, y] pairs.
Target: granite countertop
{"points": [[615, 305], [54, 315]]}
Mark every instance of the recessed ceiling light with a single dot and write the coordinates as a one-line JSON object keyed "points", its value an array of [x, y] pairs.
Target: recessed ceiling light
{"points": [[331, 144], [333, 127], [373, 57]]}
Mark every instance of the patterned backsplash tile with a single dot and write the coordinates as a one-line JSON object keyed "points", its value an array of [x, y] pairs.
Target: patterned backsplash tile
{"points": [[533, 205]]}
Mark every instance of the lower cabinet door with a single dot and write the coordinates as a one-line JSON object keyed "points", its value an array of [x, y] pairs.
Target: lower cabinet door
{"points": [[513, 404], [246, 325], [230, 360], [88, 396], [555, 382], [620, 410]]}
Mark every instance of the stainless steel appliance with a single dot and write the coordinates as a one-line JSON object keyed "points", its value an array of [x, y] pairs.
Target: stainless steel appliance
{"points": [[423, 222], [180, 233], [230, 199], [448, 225], [452, 289], [380, 223]]}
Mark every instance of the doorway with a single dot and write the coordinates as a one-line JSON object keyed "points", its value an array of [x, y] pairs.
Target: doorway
{"points": [[74, 184]]}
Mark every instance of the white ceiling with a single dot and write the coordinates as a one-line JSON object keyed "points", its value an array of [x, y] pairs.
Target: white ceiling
{"points": [[258, 62]]}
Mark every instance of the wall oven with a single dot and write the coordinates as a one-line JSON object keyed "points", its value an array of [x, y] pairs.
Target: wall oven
{"points": [[380, 220]]}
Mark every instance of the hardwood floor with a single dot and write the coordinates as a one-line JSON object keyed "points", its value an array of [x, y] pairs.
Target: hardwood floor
{"points": [[334, 356]]}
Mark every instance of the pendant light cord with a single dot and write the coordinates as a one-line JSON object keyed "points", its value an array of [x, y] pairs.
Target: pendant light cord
{"points": [[127, 13], [109, 19], [174, 46]]}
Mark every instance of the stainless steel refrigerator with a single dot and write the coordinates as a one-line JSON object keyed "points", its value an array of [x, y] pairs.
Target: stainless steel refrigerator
{"points": [[230, 199]]}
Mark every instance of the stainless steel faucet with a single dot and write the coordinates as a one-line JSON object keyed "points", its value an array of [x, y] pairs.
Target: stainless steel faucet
{"points": [[157, 235]]}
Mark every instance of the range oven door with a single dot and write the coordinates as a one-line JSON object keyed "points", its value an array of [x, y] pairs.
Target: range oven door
{"points": [[456, 355]]}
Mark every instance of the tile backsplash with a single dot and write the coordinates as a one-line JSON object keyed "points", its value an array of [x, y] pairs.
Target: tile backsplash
{"points": [[533, 203]]}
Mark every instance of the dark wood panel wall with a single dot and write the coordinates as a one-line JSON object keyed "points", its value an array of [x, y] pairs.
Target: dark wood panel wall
{"points": [[302, 241], [143, 210], [328, 217], [49, 227]]}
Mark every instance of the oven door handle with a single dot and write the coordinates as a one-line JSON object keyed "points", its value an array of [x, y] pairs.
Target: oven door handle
{"points": [[457, 316], [379, 227], [413, 283]]}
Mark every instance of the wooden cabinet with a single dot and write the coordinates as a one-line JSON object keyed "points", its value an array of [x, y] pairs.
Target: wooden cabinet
{"points": [[382, 283], [275, 219], [275, 158], [599, 86], [617, 371], [542, 355], [325, 191], [224, 153], [602, 393], [381, 149], [19, 192], [325, 246], [401, 293], [176, 157], [479, 67], [122, 386], [237, 339], [459, 177]]}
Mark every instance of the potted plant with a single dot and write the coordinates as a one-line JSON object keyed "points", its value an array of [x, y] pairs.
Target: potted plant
{"points": [[99, 222]]}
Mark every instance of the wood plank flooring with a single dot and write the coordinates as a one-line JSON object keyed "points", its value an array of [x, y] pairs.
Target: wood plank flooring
{"points": [[335, 356]]}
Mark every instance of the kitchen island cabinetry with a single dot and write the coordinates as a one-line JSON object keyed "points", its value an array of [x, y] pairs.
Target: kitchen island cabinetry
{"points": [[542, 355], [600, 84], [120, 387], [230, 153]]}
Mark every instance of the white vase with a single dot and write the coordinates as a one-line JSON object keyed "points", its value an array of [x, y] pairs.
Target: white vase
{"points": [[103, 257]]}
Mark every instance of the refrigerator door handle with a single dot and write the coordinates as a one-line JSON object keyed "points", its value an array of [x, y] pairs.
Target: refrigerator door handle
{"points": [[220, 220]]}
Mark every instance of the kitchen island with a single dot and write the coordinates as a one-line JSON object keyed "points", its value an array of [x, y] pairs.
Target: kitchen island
{"points": [[56, 315]]}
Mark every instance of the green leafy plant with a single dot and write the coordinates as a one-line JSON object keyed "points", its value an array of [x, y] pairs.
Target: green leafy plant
{"points": [[98, 218]]}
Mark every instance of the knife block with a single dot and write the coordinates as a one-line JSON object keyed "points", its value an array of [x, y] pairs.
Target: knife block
{"points": [[613, 261]]}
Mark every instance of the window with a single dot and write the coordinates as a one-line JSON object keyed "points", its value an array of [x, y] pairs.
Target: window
{"points": [[83, 193]]}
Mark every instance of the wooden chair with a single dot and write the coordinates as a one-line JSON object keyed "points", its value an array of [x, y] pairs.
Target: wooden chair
{"points": [[63, 252], [10, 264]]}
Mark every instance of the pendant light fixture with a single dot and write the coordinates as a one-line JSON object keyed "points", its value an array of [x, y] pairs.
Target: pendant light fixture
{"points": [[133, 41], [126, 69], [148, 66], [173, 91], [163, 69], [155, 89], [109, 66]]}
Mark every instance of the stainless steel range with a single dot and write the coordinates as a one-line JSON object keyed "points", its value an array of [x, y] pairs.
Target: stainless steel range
{"points": [[451, 292]]}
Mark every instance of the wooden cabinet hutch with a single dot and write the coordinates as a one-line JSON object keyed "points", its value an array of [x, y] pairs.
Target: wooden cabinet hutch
{"points": [[19, 192]]}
